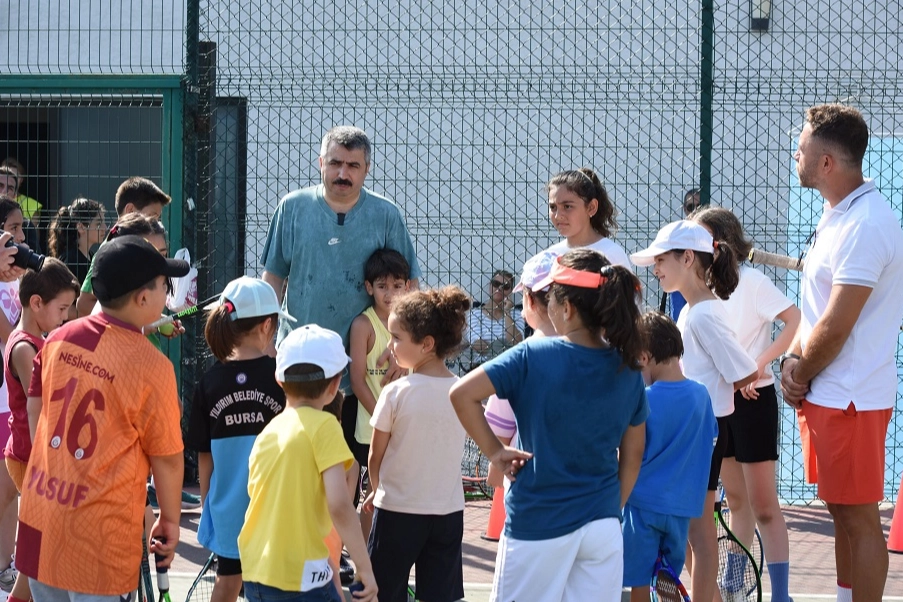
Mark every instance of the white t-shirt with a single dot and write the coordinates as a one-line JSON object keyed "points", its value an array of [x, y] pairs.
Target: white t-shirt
{"points": [[858, 242], [712, 355], [751, 310], [421, 470], [612, 250], [12, 309]]}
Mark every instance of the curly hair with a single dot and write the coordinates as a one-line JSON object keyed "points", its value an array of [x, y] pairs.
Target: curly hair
{"points": [[438, 313]]}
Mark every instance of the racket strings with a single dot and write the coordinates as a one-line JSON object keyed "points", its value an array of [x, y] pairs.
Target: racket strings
{"points": [[665, 588], [736, 579]]}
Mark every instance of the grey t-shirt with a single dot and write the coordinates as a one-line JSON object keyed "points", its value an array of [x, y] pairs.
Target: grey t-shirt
{"points": [[324, 260]]}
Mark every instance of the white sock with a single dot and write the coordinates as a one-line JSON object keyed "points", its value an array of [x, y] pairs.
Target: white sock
{"points": [[844, 593]]}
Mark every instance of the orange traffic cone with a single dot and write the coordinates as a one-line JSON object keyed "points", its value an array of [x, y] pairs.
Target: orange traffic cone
{"points": [[497, 516], [895, 539]]}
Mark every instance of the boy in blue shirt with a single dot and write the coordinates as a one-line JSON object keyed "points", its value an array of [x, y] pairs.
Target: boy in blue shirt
{"points": [[680, 436]]}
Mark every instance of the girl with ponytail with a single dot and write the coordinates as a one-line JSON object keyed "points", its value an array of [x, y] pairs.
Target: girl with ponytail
{"points": [[415, 453], [74, 230], [748, 469], [582, 212], [234, 400], [580, 405], [704, 270]]}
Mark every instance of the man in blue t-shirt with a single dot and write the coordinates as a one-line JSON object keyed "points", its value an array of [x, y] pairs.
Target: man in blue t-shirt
{"points": [[680, 436], [321, 236], [319, 239]]}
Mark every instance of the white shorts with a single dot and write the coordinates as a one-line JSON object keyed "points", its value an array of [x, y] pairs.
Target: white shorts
{"points": [[587, 564]]}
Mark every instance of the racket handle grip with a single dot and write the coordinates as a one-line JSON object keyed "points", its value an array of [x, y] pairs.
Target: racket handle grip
{"points": [[774, 259], [160, 322], [162, 573]]}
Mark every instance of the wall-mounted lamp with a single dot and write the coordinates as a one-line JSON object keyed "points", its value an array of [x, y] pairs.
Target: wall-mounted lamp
{"points": [[760, 12]]}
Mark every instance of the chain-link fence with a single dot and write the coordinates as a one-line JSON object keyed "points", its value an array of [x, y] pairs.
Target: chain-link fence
{"points": [[473, 106]]}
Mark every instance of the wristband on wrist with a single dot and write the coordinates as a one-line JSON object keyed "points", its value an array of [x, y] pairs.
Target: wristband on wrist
{"points": [[787, 356]]}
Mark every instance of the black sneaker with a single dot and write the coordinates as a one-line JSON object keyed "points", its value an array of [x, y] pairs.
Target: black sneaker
{"points": [[346, 571]]}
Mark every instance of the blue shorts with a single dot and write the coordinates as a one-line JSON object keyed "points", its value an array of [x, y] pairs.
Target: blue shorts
{"points": [[647, 532], [258, 592]]}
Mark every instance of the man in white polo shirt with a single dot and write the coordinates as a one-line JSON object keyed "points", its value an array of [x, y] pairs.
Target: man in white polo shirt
{"points": [[840, 370]]}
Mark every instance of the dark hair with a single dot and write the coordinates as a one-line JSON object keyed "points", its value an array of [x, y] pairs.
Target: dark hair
{"points": [[10, 172], [386, 262], [52, 279], [7, 206], [611, 310], [350, 137], [840, 126], [721, 271], [334, 407], [586, 184], [223, 333], [137, 224], [140, 192], [438, 313], [690, 193], [63, 229], [15, 165], [661, 336], [725, 226], [540, 297], [309, 389], [505, 273]]}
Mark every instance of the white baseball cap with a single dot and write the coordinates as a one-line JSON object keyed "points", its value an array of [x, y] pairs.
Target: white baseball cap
{"points": [[250, 298], [683, 235], [537, 268], [311, 344]]}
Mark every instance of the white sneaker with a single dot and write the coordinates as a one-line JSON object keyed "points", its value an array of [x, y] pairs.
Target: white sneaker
{"points": [[8, 578]]}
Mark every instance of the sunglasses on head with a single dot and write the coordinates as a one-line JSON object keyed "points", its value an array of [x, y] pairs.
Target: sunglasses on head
{"points": [[506, 286]]}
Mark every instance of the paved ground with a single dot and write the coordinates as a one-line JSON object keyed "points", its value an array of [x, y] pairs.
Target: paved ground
{"points": [[811, 550]]}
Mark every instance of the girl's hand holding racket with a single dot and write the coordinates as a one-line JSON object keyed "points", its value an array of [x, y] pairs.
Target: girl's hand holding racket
{"points": [[170, 330], [509, 461]]}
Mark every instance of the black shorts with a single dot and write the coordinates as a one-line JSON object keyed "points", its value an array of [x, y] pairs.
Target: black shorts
{"points": [[754, 427], [430, 542], [718, 453], [349, 419], [228, 566], [360, 452]]}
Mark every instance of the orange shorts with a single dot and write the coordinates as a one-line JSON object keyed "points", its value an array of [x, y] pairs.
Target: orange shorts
{"points": [[844, 452], [16, 472]]}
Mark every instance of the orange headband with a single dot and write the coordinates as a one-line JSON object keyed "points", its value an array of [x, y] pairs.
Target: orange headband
{"points": [[571, 277]]}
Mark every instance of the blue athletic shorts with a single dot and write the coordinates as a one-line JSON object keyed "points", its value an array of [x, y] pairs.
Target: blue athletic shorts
{"points": [[647, 532]]}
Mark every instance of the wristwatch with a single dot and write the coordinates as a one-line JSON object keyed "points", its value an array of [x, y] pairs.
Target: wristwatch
{"points": [[787, 356]]}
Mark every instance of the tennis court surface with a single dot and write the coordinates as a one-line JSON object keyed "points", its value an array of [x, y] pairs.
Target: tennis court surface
{"points": [[811, 552]]}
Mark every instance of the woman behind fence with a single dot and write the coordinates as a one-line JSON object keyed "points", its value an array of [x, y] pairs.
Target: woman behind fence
{"points": [[75, 229]]}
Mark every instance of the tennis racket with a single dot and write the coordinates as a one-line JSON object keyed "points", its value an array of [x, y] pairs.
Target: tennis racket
{"points": [[755, 548], [162, 577], [666, 585], [201, 588], [145, 581], [739, 579], [182, 314], [474, 471], [779, 261]]}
